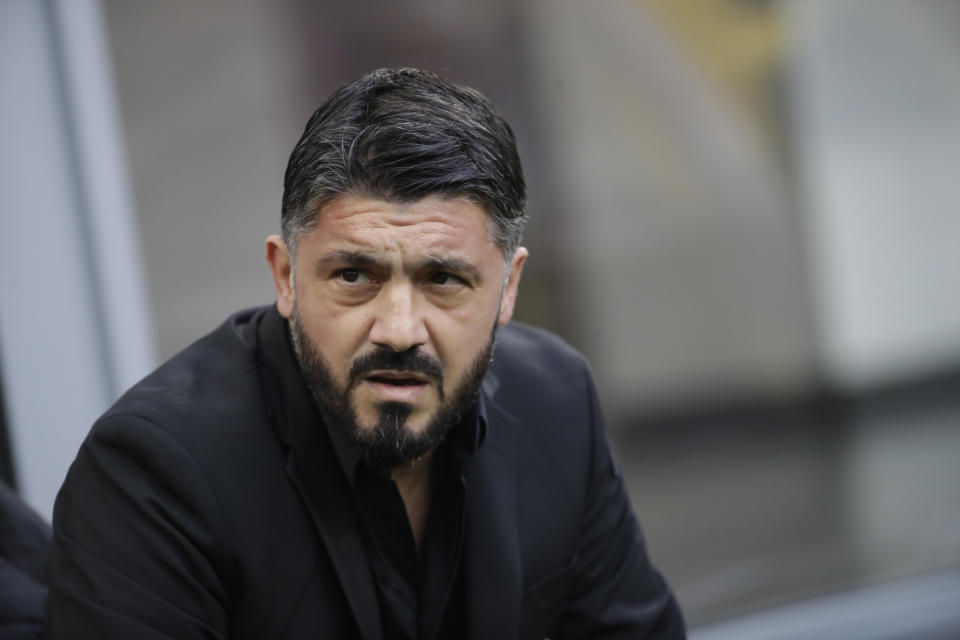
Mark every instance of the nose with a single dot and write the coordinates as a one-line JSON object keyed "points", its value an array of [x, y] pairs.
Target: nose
{"points": [[398, 324]]}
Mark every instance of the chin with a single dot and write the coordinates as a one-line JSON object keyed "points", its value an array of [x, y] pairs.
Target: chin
{"points": [[414, 424]]}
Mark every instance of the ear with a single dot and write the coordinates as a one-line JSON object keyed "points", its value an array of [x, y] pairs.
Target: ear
{"points": [[278, 257], [509, 298]]}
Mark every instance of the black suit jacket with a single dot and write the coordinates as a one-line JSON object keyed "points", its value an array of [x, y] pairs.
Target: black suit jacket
{"points": [[198, 508]]}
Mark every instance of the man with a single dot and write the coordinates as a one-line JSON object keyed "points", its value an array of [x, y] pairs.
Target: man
{"points": [[349, 463]]}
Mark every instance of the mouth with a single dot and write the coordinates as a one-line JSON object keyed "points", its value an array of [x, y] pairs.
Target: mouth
{"points": [[396, 386], [397, 378]]}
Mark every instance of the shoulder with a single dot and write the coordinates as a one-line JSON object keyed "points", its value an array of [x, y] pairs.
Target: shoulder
{"points": [[537, 356], [544, 384], [213, 382], [191, 447], [201, 413]]}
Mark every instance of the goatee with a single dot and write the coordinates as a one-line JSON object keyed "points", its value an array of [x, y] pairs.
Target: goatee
{"points": [[390, 442]]}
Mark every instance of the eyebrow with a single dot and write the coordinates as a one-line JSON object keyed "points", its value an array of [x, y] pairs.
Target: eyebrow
{"points": [[436, 263], [351, 258]]}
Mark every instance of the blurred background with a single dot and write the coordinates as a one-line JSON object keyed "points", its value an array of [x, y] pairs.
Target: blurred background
{"points": [[745, 213]]}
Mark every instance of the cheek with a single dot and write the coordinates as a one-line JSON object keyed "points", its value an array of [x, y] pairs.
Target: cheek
{"points": [[480, 311], [459, 337], [339, 333]]}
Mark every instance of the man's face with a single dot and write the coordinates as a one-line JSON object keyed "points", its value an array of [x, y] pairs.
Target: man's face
{"points": [[393, 315]]}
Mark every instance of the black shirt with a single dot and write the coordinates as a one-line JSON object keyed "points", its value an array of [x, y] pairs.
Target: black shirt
{"points": [[420, 595]]}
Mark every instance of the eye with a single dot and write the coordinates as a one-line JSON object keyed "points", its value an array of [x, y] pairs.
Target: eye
{"points": [[351, 275], [440, 278], [444, 278]]}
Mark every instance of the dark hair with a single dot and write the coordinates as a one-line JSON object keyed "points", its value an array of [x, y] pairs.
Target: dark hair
{"points": [[402, 135]]}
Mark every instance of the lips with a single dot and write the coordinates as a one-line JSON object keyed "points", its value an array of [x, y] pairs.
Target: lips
{"points": [[400, 382], [397, 378], [396, 386]]}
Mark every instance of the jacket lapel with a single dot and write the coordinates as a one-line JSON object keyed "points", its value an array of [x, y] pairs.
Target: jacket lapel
{"points": [[315, 472], [492, 570], [327, 499]]}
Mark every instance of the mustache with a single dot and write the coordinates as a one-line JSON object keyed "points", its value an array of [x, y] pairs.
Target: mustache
{"points": [[409, 361]]}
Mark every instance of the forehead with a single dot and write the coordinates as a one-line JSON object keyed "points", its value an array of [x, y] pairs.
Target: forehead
{"points": [[375, 224]]}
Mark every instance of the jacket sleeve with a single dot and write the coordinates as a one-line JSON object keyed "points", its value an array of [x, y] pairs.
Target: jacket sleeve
{"points": [[138, 541], [616, 591]]}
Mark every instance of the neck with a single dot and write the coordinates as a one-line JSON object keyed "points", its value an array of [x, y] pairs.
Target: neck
{"points": [[413, 482]]}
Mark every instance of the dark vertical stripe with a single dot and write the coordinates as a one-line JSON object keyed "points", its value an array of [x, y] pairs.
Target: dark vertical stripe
{"points": [[8, 473]]}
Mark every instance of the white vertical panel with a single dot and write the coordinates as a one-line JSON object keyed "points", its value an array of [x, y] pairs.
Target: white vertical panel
{"points": [[62, 308], [108, 208]]}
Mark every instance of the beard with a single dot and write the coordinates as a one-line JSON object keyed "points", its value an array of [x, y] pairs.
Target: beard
{"points": [[390, 442]]}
